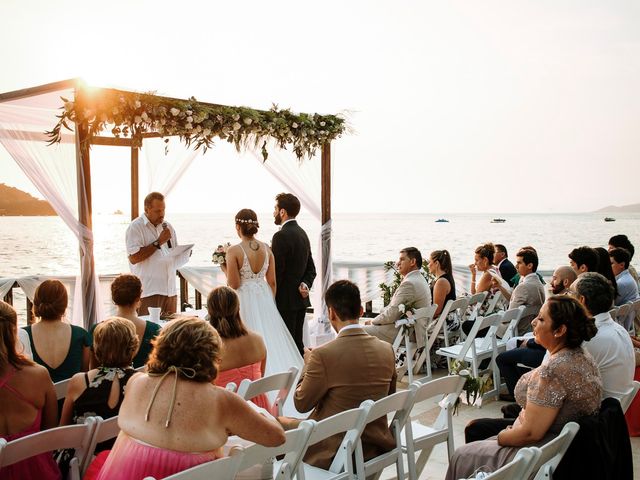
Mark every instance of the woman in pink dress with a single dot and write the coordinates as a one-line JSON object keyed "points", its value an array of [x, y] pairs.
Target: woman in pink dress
{"points": [[173, 417], [245, 354], [28, 401]]}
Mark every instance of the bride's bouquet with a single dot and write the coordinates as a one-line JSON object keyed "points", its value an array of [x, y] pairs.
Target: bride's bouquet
{"points": [[219, 256]]}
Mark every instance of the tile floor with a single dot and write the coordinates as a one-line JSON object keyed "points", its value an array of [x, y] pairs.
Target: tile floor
{"points": [[436, 467]]}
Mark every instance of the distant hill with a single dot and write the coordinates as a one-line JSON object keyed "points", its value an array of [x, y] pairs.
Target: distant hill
{"points": [[635, 208], [16, 202]]}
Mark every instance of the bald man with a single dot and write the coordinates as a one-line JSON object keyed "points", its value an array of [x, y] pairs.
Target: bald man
{"points": [[561, 280]]}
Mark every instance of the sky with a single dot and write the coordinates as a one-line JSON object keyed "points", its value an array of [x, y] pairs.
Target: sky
{"points": [[455, 106]]}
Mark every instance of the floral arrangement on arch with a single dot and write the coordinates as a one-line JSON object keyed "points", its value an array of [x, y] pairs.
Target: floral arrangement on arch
{"points": [[130, 114], [389, 289]]}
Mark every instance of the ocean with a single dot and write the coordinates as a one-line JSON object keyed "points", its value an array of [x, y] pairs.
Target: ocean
{"points": [[45, 246]]}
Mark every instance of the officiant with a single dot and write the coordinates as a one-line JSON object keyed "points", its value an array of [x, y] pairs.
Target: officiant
{"points": [[150, 245]]}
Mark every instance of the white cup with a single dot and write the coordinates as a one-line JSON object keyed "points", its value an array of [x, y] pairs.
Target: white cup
{"points": [[154, 314]]}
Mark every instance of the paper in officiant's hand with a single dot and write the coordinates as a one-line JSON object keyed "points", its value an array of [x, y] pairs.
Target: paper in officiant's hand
{"points": [[180, 254]]}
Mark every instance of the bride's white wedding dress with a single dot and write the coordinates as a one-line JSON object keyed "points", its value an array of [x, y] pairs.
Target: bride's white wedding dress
{"points": [[259, 313]]}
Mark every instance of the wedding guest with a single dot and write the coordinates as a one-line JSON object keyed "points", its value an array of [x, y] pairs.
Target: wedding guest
{"points": [[562, 279], [483, 262], [443, 287], [28, 401], [627, 286], [611, 348], [126, 291], [605, 269], [169, 428], [413, 290], [506, 268], [583, 259], [530, 291], [100, 391], [622, 241], [566, 387], [244, 352], [61, 348], [341, 374]]}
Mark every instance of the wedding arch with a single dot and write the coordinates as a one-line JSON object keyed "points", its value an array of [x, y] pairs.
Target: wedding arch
{"points": [[49, 130]]}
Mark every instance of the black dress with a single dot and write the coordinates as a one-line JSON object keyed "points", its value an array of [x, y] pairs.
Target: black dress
{"points": [[452, 293], [94, 400]]}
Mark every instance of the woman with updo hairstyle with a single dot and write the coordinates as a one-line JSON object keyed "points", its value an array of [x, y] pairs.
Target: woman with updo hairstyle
{"points": [[244, 354], [62, 348], [483, 263], [100, 391], [126, 291], [173, 417], [564, 388], [443, 288], [27, 400], [251, 272]]}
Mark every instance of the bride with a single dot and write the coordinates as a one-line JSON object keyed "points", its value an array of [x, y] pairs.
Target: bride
{"points": [[251, 271]]}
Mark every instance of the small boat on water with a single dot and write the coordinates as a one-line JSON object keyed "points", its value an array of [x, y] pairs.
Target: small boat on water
{"points": [[498, 220], [442, 220], [609, 219]]}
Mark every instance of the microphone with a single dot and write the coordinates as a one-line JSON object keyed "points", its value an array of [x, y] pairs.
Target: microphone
{"points": [[164, 225]]}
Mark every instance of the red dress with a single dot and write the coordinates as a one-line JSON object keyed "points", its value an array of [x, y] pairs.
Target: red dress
{"points": [[236, 375], [42, 466]]}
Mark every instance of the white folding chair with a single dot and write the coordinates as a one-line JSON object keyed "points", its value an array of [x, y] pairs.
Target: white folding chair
{"points": [[511, 318], [282, 382], [457, 313], [520, 467], [400, 404], [474, 350], [403, 344], [492, 304], [61, 388], [77, 437], [530, 312], [422, 438], [223, 468], [351, 423], [104, 430], [293, 448], [625, 402], [552, 452]]}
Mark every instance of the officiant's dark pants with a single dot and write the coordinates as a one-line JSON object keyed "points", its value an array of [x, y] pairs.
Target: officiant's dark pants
{"points": [[294, 320]]}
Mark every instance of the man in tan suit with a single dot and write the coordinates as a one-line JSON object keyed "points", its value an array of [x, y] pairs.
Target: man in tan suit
{"points": [[343, 373], [413, 290]]}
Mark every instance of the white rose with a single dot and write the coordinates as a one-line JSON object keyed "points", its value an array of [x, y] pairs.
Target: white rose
{"points": [[138, 104], [247, 121], [294, 125], [137, 119], [188, 126], [174, 111], [144, 116], [236, 126], [236, 117], [322, 124], [401, 307], [189, 119]]}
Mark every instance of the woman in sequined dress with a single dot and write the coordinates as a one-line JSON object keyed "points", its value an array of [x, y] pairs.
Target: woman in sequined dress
{"points": [[565, 387]]}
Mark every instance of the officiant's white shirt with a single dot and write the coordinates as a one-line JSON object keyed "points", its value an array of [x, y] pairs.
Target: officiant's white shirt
{"points": [[158, 272]]}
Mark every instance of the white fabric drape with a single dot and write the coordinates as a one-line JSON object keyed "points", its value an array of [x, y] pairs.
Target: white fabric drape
{"points": [[51, 169], [204, 279], [167, 160], [74, 291]]}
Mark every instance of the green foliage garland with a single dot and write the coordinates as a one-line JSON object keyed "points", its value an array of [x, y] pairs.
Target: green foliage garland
{"points": [[131, 114]]}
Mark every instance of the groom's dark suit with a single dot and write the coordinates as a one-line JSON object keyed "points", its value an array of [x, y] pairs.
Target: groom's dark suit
{"points": [[294, 265]]}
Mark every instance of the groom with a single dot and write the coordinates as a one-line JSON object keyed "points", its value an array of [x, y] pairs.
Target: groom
{"points": [[295, 270]]}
